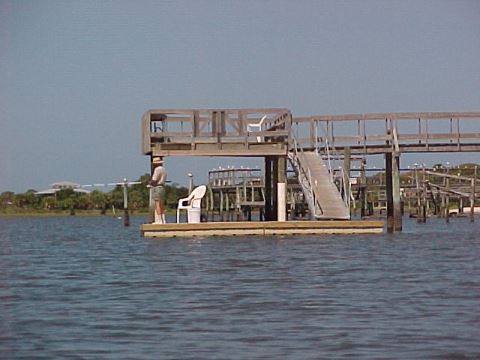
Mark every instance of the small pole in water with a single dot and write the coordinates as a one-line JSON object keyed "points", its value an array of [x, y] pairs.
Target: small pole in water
{"points": [[126, 218], [190, 182]]}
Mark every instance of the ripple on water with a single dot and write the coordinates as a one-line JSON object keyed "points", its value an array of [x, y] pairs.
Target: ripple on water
{"points": [[89, 288]]}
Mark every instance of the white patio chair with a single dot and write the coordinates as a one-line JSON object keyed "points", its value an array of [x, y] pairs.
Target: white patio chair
{"points": [[257, 128], [193, 201]]}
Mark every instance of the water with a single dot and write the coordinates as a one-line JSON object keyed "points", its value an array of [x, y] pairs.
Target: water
{"points": [[88, 288]]}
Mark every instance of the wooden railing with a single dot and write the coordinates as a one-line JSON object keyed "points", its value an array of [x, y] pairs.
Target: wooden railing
{"points": [[378, 133], [214, 126]]}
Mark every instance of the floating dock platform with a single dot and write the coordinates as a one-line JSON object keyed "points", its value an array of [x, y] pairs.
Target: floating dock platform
{"points": [[262, 228]]}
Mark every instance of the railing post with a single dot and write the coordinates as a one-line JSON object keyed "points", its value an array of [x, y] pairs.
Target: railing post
{"points": [[196, 123]]}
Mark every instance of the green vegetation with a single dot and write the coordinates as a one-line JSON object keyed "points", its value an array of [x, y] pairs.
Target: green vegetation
{"points": [[69, 202]]}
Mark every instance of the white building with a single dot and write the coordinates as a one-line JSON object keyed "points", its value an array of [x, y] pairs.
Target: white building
{"points": [[62, 185]]}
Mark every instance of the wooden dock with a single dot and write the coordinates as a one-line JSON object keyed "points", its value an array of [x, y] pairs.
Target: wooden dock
{"points": [[278, 137], [262, 228]]}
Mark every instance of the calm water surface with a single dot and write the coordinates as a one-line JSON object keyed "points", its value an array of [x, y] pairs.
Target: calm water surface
{"points": [[88, 288]]}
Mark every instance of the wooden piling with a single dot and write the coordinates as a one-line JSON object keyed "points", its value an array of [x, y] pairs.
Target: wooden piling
{"points": [[275, 172], [472, 195], [392, 187], [363, 189], [447, 201], [397, 206], [268, 188], [281, 188], [346, 171]]}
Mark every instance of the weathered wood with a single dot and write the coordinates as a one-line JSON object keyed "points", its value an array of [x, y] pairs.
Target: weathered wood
{"points": [[282, 188], [268, 188], [389, 192], [346, 171], [397, 209], [262, 228], [472, 195], [274, 213]]}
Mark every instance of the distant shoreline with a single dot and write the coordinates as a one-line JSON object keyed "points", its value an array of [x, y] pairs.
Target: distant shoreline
{"points": [[66, 213], [85, 213]]}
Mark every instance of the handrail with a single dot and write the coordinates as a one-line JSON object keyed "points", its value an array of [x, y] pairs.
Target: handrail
{"points": [[327, 150], [347, 187], [305, 179]]}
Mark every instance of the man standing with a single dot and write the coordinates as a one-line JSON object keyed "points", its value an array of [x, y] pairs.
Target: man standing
{"points": [[158, 191]]}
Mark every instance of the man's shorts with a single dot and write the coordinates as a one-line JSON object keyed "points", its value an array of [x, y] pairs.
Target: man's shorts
{"points": [[158, 193]]}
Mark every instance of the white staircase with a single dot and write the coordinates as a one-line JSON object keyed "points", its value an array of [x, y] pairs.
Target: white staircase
{"points": [[323, 197]]}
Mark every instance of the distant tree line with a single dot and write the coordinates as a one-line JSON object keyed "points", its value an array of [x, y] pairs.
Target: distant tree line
{"points": [[67, 199]]}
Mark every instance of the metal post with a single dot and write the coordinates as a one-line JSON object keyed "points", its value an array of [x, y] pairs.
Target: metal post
{"points": [[190, 182], [126, 217]]}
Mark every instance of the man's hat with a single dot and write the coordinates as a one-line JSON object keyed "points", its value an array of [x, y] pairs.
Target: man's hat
{"points": [[157, 160]]}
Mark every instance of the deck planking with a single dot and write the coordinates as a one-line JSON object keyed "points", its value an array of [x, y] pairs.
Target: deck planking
{"points": [[262, 228]]}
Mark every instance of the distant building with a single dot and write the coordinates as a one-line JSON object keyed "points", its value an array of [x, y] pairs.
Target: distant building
{"points": [[62, 185]]}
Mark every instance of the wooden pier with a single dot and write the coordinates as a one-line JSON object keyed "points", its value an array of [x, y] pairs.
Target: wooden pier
{"points": [[262, 228], [309, 144], [233, 193]]}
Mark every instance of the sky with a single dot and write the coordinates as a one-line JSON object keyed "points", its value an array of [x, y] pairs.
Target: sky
{"points": [[76, 76]]}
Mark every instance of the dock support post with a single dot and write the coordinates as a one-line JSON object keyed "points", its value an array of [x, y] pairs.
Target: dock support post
{"points": [[363, 189], [346, 173], [281, 189], [268, 188], [424, 195], [472, 195], [274, 185], [447, 202], [392, 184], [388, 191], [397, 206], [421, 210], [221, 205]]}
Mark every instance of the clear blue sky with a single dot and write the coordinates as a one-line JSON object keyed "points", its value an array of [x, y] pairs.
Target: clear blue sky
{"points": [[76, 76]]}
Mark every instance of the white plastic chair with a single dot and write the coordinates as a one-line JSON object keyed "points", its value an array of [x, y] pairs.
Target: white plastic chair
{"points": [[257, 127], [193, 201]]}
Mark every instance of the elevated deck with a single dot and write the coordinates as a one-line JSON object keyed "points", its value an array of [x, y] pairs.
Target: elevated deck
{"points": [[259, 228], [216, 132]]}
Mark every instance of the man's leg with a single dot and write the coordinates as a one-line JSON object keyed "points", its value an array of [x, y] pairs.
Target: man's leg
{"points": [[158, 212], [162, 212]]}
